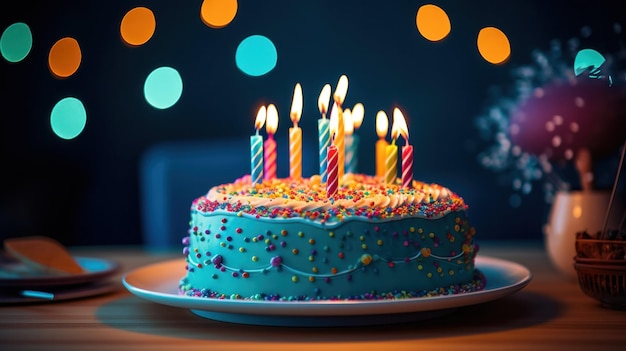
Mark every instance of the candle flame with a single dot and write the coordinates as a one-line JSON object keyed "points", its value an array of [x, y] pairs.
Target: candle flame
{"points": [[334, 120], [260, 118], [341, 90], [296, 104], [322, 101], [348, 123], [271, 124], [358, 112], [398, 118], [382, 124]]}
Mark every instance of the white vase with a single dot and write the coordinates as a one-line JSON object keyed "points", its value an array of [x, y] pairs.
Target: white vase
{"points": [[572, 212]]}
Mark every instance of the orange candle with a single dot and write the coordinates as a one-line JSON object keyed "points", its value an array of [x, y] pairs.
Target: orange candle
{"points": [[295, 135]]}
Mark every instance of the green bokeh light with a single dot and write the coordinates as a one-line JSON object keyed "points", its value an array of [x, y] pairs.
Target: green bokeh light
{"points": [[16, 42], [68, 118], [256, 55], [163, 87]]}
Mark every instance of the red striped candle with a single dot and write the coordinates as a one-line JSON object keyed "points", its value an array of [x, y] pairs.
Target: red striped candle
{"points": [[332, 181], [407, 166]]}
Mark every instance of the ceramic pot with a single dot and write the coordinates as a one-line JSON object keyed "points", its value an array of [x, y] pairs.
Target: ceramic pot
{"points": [[572, 212]]}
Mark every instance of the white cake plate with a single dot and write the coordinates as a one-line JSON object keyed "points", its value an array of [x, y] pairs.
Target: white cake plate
{"points": [[159, 283]]}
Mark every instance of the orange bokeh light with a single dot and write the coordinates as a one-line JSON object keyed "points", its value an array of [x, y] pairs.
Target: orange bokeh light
{"points": [[64, 57], [138, 26], [218, 13], [493, 45], [432, 22]]}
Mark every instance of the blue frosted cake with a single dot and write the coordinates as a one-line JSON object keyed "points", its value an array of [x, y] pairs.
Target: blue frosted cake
{"points": [[284, 239]]}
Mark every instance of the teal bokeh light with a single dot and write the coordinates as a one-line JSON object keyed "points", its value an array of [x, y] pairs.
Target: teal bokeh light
{"points": [[256, 55], [68, 118], [16, 42], [163, 87], [588, 60]]}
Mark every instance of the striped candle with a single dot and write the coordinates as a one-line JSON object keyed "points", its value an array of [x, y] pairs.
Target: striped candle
{"points": [[407, 150], [391, 162], [323, 132], [256, 158], [295, 135], [269, 163], [269, 147], [333, 181], [256, 148], [349, 141], [407, 166]]}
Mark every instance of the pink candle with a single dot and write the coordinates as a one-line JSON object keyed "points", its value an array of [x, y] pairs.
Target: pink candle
{"points": [[269, 162], [407, 165], [332, 181], [407, 150]]}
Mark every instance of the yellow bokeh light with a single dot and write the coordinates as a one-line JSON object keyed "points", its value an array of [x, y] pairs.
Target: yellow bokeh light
{"points": [[493, 45], [218, 13], [138, 26], [64, 57], [432, 22]]}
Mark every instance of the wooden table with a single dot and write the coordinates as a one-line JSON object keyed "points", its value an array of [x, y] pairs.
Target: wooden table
{"points": [[551, 313]]}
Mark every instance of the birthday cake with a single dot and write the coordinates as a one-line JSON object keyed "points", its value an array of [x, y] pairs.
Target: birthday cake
{"points": [[285, 239]]}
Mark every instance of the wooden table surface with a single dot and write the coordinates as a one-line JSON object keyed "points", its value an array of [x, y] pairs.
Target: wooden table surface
{"points": [[551, 313]]}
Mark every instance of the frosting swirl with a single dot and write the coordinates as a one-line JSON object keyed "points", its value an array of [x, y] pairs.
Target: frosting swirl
{"points": [[358, 194]]}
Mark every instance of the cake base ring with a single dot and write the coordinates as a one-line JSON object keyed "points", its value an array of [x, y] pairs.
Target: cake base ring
{"points": [[159, 283]]}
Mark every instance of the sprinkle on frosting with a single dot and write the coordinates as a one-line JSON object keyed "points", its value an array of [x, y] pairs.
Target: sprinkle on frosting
{"points": [[358, 196]]}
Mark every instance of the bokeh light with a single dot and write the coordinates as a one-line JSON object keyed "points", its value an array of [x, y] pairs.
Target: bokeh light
{"points": [[218, 13], [163, 87], [68, 118], [432, 22], [588, 60], [64, 57], [138, 26], [16, 42], [256, 55], [493, 45]]}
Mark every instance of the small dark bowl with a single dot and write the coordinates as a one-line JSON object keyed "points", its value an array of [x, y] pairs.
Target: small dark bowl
{"points": [[601, 269]]}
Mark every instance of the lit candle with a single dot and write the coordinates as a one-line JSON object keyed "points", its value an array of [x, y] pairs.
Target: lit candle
{"points": [[295, 135], [407, 149], [323, 130], [271, 125], [256, 148], [338, 97], [356, 115], [332, 183], [391, 155], [350, 158], [382, 125]]}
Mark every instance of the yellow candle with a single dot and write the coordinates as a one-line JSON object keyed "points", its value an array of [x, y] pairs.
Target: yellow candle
{"points": [[382, 125], [391, 160], [295, 135]]}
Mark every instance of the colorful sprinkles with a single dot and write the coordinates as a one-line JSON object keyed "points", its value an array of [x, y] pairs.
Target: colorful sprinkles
{"points": [[362, 193]]}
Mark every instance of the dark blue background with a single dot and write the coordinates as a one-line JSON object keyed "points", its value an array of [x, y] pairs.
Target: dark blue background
{"points": [[86, 190]]}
